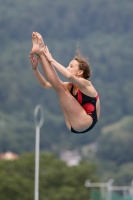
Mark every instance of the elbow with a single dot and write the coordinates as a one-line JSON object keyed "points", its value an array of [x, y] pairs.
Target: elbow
{"points": [[69, 76], [43, 85], [46, 85]]}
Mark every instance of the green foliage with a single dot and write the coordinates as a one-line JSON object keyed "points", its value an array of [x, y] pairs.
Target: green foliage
{"points": [[117, 140], [57, 181], [103, 30], [114, 155], [124, 174]]}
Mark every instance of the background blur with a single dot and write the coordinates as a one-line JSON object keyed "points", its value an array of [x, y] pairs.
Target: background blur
{"points": [[104, 31]]}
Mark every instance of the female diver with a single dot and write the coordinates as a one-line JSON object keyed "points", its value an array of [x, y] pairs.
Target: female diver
{"points": [[78, 98]]}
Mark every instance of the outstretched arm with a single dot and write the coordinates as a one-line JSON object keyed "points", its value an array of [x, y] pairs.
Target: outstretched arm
{"points": [[34, 62], [57, 65], [81, 82]]}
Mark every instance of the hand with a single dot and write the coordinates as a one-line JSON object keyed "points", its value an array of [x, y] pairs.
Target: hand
{"points": [[48, 54], [34, 60]]}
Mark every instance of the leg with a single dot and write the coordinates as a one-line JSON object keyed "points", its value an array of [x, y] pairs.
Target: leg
{"points": [[68, 124], [74, 114], [49, 71]]}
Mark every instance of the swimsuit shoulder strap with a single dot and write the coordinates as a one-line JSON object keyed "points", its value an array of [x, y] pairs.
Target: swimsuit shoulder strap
{"points": [[79, 97]]}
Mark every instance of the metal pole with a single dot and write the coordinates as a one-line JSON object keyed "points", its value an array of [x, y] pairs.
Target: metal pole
{"points": [[108, 186], [37, 145], [105, 188], [89, 184], [131, 189]]}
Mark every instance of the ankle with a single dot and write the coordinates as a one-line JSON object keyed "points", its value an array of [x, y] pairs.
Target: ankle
{"points": [[40, 52]]}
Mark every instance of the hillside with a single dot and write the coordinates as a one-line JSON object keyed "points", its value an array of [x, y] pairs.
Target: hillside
{"points": [[104, 32]]}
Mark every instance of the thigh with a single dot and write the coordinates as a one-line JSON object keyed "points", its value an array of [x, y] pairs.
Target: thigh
{"points": [[75, 113], [68, 124]]}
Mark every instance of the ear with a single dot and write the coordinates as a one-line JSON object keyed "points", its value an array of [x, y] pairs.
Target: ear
{"points": [[80, 72]]}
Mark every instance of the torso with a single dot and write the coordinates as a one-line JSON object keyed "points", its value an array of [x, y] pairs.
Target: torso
{"points": [[90, 102]]}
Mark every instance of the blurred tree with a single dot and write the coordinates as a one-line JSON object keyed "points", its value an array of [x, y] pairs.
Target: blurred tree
{"points": [[119, 136], [103, 30], [57, 180]]}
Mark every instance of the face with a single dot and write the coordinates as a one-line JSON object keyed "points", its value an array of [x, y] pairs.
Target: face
{"points": [[74, 68]]}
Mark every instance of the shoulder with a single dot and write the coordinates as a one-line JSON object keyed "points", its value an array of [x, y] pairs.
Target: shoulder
{"points": [[84, 83], [88, 88]]}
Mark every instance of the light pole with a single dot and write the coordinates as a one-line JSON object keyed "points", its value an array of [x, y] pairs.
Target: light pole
{"points": [[38, 124]]}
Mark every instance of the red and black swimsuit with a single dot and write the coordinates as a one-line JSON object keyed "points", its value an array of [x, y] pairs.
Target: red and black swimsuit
{"points": [[89, 105]]}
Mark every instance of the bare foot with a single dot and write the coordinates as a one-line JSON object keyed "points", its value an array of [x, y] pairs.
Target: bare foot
{"points": [[38, 43]]}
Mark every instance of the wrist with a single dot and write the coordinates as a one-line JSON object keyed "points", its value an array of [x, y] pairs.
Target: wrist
{"points": [[52, 61], [34, 68]]}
